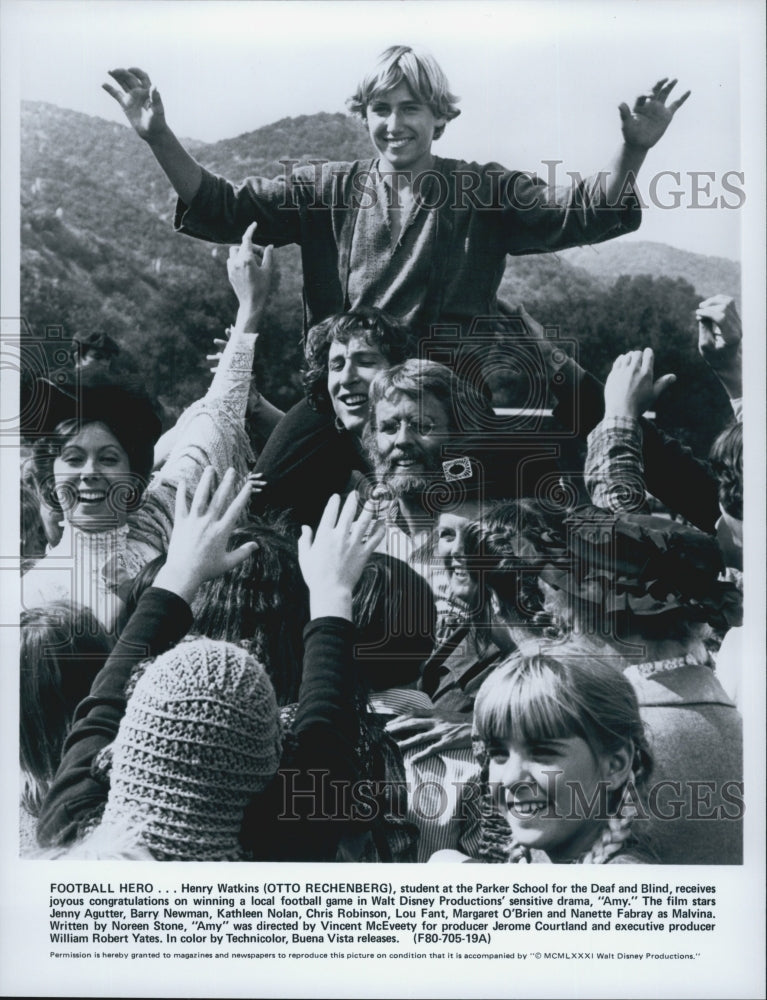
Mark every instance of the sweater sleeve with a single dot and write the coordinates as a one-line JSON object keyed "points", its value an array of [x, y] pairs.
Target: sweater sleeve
{"points": [[673, 474], [160, 620], [614, 472], [209, 432], [304, 813], [212, 430], [539, 217], [220, 212]]}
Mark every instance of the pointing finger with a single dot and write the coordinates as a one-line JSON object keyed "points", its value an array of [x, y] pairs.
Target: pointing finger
{"points": [[647, 359], [247, 236]]}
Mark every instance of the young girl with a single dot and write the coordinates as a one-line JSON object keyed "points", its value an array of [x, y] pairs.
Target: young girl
{"points": [[566, 760]]}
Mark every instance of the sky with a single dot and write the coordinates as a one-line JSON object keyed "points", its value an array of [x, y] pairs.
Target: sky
{"points": [[538, 82]]}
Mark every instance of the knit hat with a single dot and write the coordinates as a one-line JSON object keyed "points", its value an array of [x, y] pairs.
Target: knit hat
{"points": [[200, 736]]}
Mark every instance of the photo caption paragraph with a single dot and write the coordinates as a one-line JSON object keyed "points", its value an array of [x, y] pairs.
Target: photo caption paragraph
{"points": [[460, 919]]}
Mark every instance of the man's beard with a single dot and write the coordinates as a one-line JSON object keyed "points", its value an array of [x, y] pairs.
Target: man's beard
{"points": [[394, 483], [411, 487]]}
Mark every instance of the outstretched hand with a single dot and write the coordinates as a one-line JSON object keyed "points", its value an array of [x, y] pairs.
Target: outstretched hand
{"points": [[631, 388], [720, 332], [651, 116], [332, 558], [250, 271], [139, 99], [197, 550]]}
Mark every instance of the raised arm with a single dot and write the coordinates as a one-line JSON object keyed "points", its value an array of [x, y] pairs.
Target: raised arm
{"points": [[720, 340], [310, 814], [642, 127], [143, 107], [197, 551], [614, 470], [672, 473], [209, 207], [212, 430]]}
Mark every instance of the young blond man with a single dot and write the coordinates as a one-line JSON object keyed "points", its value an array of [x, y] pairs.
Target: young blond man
{"points": [[423, 237]]}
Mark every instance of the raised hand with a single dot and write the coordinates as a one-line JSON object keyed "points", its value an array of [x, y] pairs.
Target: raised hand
{"points": [[651, 116], [139, 99], [630, 388], [333, 558], [250, 271], [720, 332], [720, 337], [197, 550]]}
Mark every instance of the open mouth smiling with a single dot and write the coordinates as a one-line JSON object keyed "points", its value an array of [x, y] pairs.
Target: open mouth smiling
{"points": [[91, 496], [398, 142], [354, 401], [526, 807]]}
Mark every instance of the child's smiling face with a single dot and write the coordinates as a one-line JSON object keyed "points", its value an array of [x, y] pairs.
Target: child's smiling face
{"points": [[402, 128], [545, 789]]}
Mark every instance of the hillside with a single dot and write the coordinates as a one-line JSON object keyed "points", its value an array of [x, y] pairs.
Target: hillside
{"points": [[707, 275]]}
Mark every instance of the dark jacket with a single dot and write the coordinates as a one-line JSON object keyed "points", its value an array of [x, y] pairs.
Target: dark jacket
{"points": [[485, 213]]}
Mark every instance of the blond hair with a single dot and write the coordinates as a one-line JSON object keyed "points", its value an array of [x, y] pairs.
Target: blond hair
{"points": [[423, 76]]}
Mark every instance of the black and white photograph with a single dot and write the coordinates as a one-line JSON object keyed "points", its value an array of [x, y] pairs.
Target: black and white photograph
{"points": [[382, 443]]}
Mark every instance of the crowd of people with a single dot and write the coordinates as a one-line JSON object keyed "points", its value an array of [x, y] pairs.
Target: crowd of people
{"points": [[391, 634]]}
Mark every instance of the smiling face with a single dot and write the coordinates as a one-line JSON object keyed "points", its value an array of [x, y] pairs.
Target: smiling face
{"points": [[452, 529], [546, 788], [351, 368], [402, 129], [91, 464], [407, 442]]}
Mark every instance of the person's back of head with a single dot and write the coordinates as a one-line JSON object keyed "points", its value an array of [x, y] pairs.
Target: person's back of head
{"points": [[726, 458], [63, 647], [200, 737], [627, 577], [262, 603], [510, 545], [395, 614]]}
